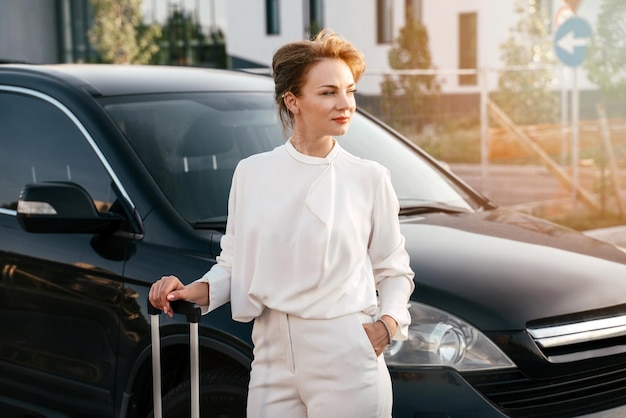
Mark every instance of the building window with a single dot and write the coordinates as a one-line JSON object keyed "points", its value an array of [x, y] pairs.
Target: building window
{"points": [[190, 33], [384, 24], [272, 17], [315, 19], [468, 51], [76, 17]]}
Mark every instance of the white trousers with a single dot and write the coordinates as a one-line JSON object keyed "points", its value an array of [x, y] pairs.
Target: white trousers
{"points": [[316, 368]]}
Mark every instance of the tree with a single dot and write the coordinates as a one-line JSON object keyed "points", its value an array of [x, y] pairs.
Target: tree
{"points": [[526, 93], [184, 43], [411, 95], [606, 58], [118, 33]]}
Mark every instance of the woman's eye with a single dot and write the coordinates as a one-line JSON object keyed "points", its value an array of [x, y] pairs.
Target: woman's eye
{"points": [[332, 92]]}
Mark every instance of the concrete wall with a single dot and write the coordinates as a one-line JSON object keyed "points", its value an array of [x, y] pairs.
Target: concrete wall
{"points": [[28, 31]]}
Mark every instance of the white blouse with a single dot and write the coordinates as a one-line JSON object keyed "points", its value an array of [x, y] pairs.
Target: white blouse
{"points": [[312, 237]]}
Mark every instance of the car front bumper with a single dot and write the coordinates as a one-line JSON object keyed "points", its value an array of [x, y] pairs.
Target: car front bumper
{"points": [[437, 393]]}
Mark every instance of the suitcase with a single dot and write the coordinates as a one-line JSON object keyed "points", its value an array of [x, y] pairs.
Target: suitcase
{"points": [[192, 313]]}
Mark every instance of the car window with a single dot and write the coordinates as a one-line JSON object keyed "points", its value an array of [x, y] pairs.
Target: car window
{"points": [[38, 142], [191, 143], [415, 180]]}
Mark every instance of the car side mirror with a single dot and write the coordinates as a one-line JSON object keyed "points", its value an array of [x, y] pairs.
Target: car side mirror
{"points": [[62, 207]]}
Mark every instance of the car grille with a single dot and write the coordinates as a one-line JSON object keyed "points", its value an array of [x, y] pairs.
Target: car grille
{"points": [[581, 391], [520, 396], [580, 340]]}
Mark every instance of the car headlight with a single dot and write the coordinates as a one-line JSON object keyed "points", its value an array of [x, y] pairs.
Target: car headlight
{"points": [[437, 338]]}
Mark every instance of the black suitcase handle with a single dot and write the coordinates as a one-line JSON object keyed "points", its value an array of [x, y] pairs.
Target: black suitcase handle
{"points": [[193, 313], [191, 310]]}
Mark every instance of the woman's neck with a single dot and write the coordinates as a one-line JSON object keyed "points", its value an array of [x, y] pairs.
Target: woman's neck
{"points": [[319, 147]]}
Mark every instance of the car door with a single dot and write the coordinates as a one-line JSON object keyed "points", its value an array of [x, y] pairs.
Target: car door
{"points": [[59, 293]]}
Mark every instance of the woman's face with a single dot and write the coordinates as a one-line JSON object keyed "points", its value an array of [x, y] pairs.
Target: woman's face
{"points": [[326, 102]]}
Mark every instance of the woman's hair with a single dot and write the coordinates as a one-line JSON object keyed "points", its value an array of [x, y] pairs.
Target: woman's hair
{"points": [[292, 62]]}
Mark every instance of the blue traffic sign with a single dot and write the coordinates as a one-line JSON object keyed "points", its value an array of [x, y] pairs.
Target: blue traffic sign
{"points": [[571, 41]]}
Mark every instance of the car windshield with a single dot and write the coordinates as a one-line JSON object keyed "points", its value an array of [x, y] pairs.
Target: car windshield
{"points": [[191, 143]]}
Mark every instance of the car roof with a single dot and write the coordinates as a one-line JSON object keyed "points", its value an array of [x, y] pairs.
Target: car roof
{"points": [[115, 80]]}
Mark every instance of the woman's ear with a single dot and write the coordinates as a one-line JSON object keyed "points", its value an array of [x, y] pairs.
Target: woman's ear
{"points": [[291, 101]]}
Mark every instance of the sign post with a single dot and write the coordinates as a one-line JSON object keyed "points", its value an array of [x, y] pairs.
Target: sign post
{"points": [[570, 45]]}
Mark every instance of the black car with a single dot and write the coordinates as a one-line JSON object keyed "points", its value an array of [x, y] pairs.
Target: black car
{"points": [[112, 176]]}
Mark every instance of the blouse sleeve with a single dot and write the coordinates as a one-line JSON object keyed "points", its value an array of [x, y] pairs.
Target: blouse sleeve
{"points": [[219, 276], [390, 260]]}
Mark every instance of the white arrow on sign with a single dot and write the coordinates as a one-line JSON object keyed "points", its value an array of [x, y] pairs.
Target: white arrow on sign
{"points": [[569, 41]]}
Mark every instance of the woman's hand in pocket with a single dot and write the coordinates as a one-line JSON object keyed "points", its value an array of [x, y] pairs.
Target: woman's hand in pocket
{"points": [[378, 334]]}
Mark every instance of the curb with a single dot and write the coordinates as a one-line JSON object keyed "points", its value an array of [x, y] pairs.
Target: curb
{"points": [[615, 235]]}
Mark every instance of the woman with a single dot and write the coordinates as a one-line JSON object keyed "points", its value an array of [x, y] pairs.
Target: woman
{"points": [[312, 236]]}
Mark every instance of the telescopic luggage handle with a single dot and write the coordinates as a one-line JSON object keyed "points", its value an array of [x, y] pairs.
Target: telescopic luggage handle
{"points": [[193, 313], [183, 307]]}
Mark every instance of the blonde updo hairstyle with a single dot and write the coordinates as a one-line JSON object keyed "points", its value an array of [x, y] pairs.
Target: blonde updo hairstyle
{"points": [[292, 62]]}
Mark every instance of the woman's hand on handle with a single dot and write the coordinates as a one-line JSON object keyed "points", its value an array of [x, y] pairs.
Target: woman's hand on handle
{"points": [[170, 288]]}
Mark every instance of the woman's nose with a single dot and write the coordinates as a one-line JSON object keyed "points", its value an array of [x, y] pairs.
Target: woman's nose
{"points": [[345, 101]]}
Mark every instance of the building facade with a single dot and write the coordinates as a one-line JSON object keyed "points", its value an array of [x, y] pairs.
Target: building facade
{"points": [[463, 34]]}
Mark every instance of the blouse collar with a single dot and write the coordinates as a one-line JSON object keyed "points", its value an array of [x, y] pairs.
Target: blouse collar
{"points": [[309, 159]]}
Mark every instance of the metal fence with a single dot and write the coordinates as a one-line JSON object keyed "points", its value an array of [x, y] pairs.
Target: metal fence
{"points": [[515, 115]]}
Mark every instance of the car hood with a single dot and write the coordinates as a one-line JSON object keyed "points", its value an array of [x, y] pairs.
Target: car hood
{"points": [[500, 269]]}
